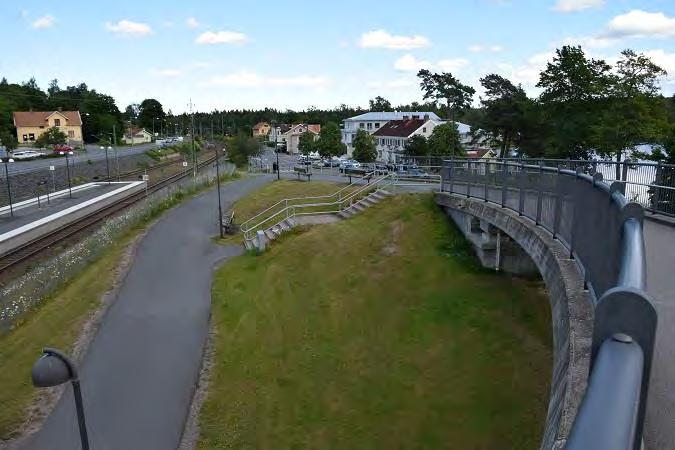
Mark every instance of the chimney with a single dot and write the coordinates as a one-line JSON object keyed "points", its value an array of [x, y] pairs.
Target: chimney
{"points": [[60, 108], [415, 116], [426, 117], [405, 117]]}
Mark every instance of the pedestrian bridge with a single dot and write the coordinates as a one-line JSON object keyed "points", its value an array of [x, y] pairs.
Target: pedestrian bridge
{"points": [[607, 273]]}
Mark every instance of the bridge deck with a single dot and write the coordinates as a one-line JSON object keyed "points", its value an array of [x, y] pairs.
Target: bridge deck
{"points": [[660, 423]]}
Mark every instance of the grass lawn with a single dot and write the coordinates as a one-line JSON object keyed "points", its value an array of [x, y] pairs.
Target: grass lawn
{"points": [[376, 332], [57, 323]]}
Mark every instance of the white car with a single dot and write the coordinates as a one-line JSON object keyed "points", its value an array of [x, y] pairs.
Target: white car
{"points": [[26, 154]]}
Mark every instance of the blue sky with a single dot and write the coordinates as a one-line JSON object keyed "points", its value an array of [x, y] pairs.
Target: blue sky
{"points": [[295, 54]]}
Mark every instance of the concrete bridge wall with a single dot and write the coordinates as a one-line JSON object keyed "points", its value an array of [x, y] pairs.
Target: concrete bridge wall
{"points": [[527, 248]]}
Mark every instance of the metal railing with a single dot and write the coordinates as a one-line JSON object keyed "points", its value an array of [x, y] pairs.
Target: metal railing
{"points": [[313, 205], [603, 232]]}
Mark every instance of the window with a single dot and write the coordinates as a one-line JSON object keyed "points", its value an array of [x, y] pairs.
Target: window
{"points": [[71, 134], [377, 125], [424, 130], [31, 137], [42, 126], [57, 122], [25, 137], [370, 126], [362, 125]]}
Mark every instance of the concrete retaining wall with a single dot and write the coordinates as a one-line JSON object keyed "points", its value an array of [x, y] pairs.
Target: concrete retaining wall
{"points": [[27, 233], [571, 309]]}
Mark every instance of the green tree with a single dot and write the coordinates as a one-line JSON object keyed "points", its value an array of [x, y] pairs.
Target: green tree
{"points": [[633, 114], [241, 147], [150, 114], [364, 147], [417, 145], [379, 104], [307, 143], [444, 86], [8, 140], [51, 137], [504, 107], [573, 87], [330, 141], [444, 140]]}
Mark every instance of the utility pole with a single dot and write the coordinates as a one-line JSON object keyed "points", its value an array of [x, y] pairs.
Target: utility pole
{"points": [[117, 159], [194, 154]]}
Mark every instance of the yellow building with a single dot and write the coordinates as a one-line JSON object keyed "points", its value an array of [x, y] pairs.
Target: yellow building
{"points": [[31, 124], [261, 129]]}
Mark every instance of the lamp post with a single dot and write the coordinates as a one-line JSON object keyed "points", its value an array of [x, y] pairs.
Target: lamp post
{"points": [[9, 189], [70, 189], [107, 163], [54, 368], [220, 207], [276, 151]]}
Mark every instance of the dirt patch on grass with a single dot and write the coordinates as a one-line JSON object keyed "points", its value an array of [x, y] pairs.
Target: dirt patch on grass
{"points": [[395, 231]]}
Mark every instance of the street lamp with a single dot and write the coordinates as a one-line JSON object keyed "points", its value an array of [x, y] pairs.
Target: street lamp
{"points": [[107, 164], [9, 189], [220, 207], [70, 189], [54, 368]]}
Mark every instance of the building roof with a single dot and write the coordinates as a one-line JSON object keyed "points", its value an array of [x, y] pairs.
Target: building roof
{"points": [[259, 125], [39, 118], [136, 131], [316, 128], [386, 116], [400, 128], [284, 127], [480, 152]]}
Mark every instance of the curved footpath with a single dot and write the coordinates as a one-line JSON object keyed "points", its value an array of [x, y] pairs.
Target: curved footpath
{"points": [[660, 420], [141, 369]]}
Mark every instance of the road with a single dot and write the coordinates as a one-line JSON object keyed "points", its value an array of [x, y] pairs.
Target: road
{"points": [[93, 153], [141, 369]]}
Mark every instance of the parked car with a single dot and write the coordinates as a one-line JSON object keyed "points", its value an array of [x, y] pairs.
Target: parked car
{"points": [[62, 148], [24, 155]]}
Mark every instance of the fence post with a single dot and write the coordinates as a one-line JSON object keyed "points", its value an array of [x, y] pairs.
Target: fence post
{"points": [[521, 196], [558, 203], [485, 194], [503, 182], [540, 192], [468, 179], [624, 171], [452, 169], [657, 190]]}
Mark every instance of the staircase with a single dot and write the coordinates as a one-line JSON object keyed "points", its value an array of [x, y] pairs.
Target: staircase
{"points": [[344, 211]]}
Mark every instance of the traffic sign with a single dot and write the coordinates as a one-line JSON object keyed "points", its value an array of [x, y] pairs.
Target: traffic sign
{"points": [[52, 168], [185, 164], [146, 177]]}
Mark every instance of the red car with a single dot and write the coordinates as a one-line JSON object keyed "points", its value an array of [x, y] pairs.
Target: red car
{"points": [[62, 148]]}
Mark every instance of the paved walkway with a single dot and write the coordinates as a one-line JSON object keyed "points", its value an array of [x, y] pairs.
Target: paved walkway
{"points": [[141, 369], [660, 422]]}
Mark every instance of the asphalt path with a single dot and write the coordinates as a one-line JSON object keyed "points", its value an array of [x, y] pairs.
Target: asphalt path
{"points": [[139, 374], [93, 153], [660, 420]]}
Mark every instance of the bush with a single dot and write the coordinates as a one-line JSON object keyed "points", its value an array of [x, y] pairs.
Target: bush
{"points": [[241, 147]]}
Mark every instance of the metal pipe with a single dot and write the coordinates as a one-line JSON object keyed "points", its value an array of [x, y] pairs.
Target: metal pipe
{"points": [[633, 258]]}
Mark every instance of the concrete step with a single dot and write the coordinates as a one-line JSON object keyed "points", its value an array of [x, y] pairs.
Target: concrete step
{"points": [[344, 214], [284, 225], [368, 201], [249, 245], [270, 235], [290, 222], [384, 192], [358, 207], [377, 196]]}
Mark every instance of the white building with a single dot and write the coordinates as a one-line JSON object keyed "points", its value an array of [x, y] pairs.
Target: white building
{"points": [[373, 121], [392, 138], [292, 136], [276, 134], [137, 136]]}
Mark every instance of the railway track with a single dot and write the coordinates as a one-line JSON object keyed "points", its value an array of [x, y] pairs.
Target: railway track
{"points": [[42, 243]]}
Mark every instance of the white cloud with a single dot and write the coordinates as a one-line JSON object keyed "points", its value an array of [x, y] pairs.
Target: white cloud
{"points": [[191, 22], [451, 65], [246, 79], [383, 39], [638, 23], [408, 63], [577, 5], [170, 73], [221, 37], [129, 28], [391, 84], [664, 60], [527, 73], [478, 48], [46, 21], [592, 42]]}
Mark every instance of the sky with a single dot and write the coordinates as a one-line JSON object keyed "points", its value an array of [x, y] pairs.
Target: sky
{"points": [[295, 54]]}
